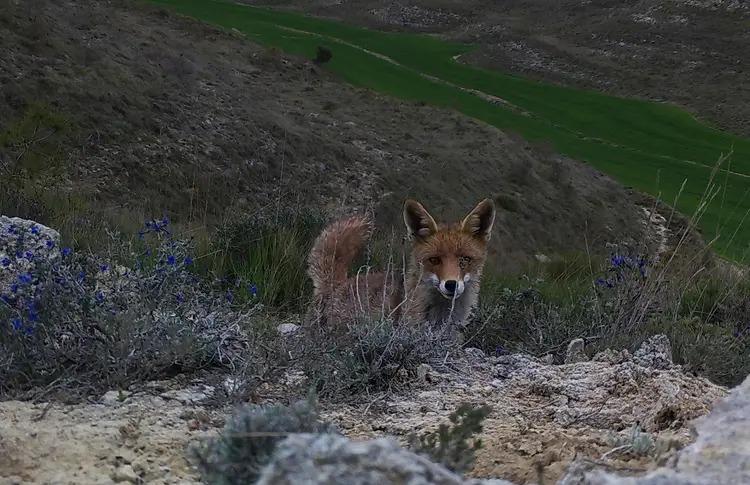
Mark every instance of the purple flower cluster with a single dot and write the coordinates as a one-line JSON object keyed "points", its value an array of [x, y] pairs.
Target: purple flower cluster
{"points": [[623, 268]]}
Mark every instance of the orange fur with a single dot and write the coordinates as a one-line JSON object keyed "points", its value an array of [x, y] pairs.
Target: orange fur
{"points": [[441, 282]]}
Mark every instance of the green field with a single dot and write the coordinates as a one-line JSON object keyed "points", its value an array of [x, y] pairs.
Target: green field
{"points": [[650, 146]]}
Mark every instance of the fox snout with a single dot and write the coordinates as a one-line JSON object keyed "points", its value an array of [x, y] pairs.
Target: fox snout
{"points": [[451, 288]]}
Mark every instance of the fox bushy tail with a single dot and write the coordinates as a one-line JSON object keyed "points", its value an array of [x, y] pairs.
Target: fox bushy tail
{"points": [[334, 252]]}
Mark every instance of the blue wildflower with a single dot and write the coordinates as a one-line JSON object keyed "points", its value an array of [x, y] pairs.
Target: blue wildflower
{"points": [[34, 230], [14, 287], [81, 276], [25, 278], [171, 260], [5, 262], [29, 255], [104, 268], [32, 314], [66, 252], [252, 288], [17, 323], [604, 282], [50, 244], [230, 296], [617, 260], [28, 330], [188, 261], [7, 299]]}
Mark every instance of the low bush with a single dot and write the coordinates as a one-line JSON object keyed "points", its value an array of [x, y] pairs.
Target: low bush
{"points": [[249, 440], [371, 354], [84, 323]]}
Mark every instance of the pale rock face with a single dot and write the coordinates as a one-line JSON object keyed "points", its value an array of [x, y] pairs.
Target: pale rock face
{"points": [[720, 454], [329, 459], [24, 245]]}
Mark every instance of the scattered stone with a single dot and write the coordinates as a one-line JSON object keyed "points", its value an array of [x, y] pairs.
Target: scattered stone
{"points": [[287, 329], [655, 353], [612, 356], [474, 354], [194, 394], [548, 359], [425, 373], [575, 352], [125, 473], [112, 398]]}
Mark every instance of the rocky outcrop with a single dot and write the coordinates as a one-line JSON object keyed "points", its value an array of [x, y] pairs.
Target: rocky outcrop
{"points": [[719, 455], [329, 459], [545, 416], [24, 245]]}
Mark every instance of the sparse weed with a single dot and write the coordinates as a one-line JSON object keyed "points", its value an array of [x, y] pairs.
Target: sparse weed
{"points": [[249, 440], [269, 252], [636, 443], [454, 446], [371, 354]]}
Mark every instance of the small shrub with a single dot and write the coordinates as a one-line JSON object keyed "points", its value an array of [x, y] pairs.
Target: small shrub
{"points": [[250, 438], [323, 55], [371, 354], [454, 446], [87, 323], [635, 443]]}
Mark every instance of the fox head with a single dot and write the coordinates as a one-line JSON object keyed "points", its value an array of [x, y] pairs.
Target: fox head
{"points": [[450, 257]]}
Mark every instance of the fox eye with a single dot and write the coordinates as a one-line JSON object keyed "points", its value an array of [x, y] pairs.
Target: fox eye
{"points": [[464, 261], [434, 260]]}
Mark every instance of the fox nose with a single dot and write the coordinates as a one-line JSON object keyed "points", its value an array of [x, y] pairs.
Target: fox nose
{"points": [[450, 286]]}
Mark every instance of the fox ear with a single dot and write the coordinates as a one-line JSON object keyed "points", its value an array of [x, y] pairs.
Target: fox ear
{"points": [[479, 221], [419, 222]]}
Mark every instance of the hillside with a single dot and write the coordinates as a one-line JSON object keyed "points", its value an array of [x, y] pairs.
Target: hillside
{"points": [[657, 148], [144, 113], [692, 53]]}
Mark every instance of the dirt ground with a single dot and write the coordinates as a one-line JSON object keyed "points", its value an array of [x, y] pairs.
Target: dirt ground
{"points": [[689, 52], [543, 417]]}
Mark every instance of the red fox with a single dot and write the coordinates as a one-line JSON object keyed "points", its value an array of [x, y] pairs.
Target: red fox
{"points": [[440, 283]]}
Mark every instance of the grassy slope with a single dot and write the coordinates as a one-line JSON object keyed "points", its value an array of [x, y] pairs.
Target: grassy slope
{"points": [[653, 147]]}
